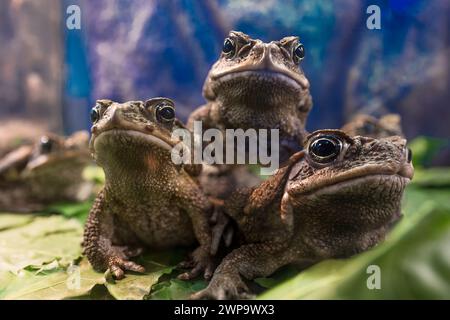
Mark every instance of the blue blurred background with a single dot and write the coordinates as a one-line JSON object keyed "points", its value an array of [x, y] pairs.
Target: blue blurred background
{"points": [[136, 49]]}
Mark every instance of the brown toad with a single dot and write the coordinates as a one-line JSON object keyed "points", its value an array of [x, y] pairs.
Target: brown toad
{"points": [[257, 85], [147, 201], [369, 126], [253, 85], [15, 133], [335, 199], [51, 170]]}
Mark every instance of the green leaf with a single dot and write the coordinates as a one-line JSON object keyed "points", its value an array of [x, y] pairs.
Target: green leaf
{"points": [[424, 149], [176, 289], [54, 281], [137, 286], [51, 282], [14, 220], [40, 241], [416, 199], [78, 211], [434, 177], [36, 252], [95, 174]]}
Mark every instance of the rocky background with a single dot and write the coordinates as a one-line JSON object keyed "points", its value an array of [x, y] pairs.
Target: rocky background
{"points": [[135, 49]]}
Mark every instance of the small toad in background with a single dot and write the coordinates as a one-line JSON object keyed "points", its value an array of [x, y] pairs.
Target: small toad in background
{"points": [[50, 77]]}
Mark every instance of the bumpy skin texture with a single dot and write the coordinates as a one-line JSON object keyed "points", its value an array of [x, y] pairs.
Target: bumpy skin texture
{"points": [[33, 176], [255, 86], [314, 209], [369, 126], [147, 201], [259, 86]]}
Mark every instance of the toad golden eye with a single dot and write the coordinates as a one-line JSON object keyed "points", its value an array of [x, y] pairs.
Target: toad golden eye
{"points": [[324, 149], [165, 113], [228, 46], [95, 115], [299, 52]]}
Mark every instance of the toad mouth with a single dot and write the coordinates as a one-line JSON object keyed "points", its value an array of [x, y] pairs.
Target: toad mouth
{"points": [[402, 174], [264, 74], [147, 138], [388, 180]]}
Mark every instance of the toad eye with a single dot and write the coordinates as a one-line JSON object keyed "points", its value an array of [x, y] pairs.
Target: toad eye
{"points": [[228, 46], [299, 52], [165, 113], [368, 128], [325, 149], [408, 155], [46, 144], [94, 114]]}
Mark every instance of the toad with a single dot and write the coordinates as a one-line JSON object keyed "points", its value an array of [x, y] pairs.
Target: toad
{"points": [[253, 85], [338, 197], [51, 170], [148, 201], [258, 85], [369, 126]]}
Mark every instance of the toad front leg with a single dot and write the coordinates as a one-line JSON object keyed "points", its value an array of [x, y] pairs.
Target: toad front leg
{"points": [[201, 259], [98, 242], [249, 261]]}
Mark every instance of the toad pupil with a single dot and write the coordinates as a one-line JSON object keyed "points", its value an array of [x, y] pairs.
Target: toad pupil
{"points": [[299, 52], [324, 148], [228, 46], [166, 113], [94, 115]]}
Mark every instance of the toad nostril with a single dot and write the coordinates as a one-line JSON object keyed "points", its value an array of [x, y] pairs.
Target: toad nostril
{"points": [[409, 154], [114, 116], [259, 49]]}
